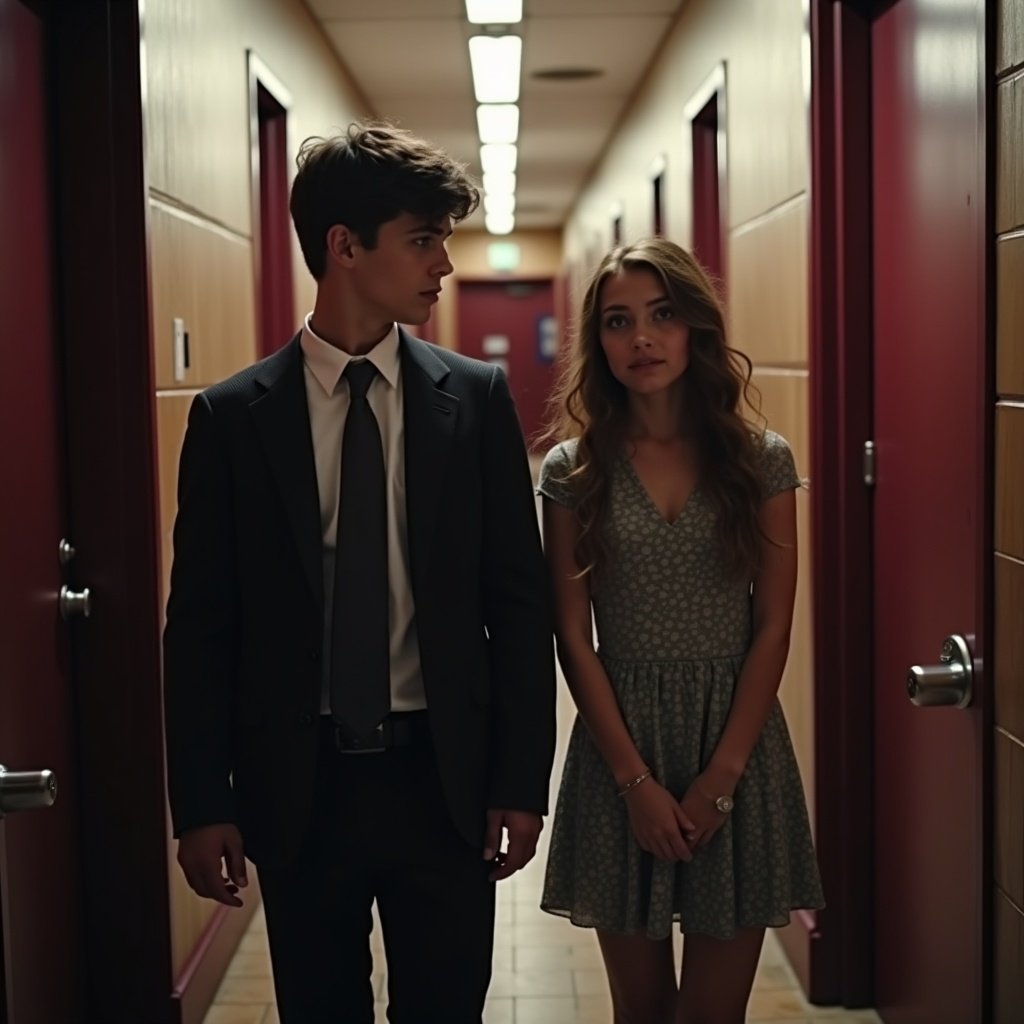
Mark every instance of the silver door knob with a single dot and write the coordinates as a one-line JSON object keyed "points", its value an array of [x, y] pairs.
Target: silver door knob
{"points": [[74, 603], [948, 684], [26, 791]]}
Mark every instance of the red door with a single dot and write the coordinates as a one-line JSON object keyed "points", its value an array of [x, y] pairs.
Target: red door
{"points": [[930, 516], [512, 323], [41, 975]]}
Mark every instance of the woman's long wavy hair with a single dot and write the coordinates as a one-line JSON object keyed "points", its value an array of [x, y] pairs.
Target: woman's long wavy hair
{"points": [[591, 405]]}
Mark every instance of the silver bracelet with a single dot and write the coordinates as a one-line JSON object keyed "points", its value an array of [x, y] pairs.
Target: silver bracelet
{"points": [[646, 774]]}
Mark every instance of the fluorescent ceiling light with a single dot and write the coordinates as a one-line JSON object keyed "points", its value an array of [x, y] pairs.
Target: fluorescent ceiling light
{"points": [[500, 203], [499, 223], [494, 12], [495, 61], [498, 158], [498, 122], [498, 182]]}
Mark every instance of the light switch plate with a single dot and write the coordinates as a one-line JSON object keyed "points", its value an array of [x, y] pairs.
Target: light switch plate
{"points": [[179, 349]]}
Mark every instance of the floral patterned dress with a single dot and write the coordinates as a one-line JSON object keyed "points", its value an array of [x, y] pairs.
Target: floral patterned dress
{"points": [[673, 630]]}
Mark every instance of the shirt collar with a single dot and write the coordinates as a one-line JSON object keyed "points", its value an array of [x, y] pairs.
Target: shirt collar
{"points": [[327, 362]]}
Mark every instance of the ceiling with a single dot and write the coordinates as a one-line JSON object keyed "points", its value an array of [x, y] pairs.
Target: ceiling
{"points": [[411, 59]]}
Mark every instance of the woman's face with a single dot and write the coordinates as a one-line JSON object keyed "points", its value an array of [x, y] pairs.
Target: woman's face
{"points": [[644, 340]]}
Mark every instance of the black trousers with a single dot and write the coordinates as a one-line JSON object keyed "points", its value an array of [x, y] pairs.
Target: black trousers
{"points": [[381, 831]]}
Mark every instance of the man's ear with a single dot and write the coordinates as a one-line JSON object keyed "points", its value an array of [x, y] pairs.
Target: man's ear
{"points": [[341, 244]]}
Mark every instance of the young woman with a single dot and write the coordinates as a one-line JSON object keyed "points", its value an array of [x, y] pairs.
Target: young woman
{"points": [[673, 522]]}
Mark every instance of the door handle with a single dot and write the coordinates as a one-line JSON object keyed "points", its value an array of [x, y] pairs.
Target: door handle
{"points": [[74, 602], [26, 791], [948, 684]]}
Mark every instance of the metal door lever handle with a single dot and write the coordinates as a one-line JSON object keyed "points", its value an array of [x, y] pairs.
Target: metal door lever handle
{"points": [[26, 791], [948, 684]]}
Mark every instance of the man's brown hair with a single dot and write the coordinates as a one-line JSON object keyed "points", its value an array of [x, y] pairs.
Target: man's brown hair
{"points": [[369, 174]]}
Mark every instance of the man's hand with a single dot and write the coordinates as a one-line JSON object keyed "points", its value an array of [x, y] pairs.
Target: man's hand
{"points": [[201, 852], [523, 829]]}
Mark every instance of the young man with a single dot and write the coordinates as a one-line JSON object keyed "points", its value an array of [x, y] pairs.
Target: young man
{"points": [[358, 655]]}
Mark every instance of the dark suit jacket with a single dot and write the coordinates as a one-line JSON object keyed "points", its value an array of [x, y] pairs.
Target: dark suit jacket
{"points": [[243, 640]]}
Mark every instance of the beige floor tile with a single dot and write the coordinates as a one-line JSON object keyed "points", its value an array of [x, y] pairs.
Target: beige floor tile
{"points": [[840, 1015], [555, 958], [774, 976], [250, 965], [530, 983], [503, 959], [594, 1009], [245, 990], [769, 1005], [558, 1010], [847, 1017], [543, 933], [235, 1015], [500, 1011], [590, 982], [254, 942]]}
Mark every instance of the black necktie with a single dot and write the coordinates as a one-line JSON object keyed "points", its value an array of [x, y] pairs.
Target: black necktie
{"points": [[361, 636]]}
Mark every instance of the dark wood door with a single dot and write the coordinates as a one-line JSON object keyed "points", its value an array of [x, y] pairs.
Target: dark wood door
{"points": [[930, 514], [39, 883], [513, 323]]}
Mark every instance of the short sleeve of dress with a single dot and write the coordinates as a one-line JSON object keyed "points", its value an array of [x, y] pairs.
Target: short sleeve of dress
{"points": [[778, 470], [554, 472]]}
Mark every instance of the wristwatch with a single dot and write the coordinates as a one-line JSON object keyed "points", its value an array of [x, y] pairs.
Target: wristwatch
{"points": [[724, 804]]}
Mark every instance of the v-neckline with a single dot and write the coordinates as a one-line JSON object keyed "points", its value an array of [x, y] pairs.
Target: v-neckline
{"points": [[651, 504]]}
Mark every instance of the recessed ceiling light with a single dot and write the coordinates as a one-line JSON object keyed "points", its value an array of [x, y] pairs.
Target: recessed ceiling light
{"points": [[501, 203], [498, 122], [498, 158], [495, 62], [494, 12], [499, 223], [496, 182]]}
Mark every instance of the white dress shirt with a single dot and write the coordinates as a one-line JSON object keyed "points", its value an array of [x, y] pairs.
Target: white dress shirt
{"points": [[328, 400]]}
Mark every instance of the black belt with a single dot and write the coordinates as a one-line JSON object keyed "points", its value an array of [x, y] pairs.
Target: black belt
{"points": [[399, 729]]}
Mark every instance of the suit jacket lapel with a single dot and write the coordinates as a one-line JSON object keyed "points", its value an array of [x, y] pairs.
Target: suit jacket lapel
{"points": [[430, 418], [282, 418]]}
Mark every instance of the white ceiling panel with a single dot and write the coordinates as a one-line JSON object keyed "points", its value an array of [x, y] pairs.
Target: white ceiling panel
{"points": [[410, 56], [621, 47], [373, 10], [538, 9]]}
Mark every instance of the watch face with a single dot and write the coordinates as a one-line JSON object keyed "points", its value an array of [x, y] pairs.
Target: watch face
{"points": [[724, 804]]}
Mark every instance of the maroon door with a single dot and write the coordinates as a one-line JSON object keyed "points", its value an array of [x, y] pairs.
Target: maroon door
{"points": [[41, 974], [512, 323], [930, 515]]}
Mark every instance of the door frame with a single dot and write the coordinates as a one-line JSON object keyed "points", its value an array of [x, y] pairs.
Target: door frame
{"points": [[833, 954], [104, 334]]}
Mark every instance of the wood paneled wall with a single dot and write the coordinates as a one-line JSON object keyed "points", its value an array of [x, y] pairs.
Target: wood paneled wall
{"points": [[200, 218], [765, 50], [1008, 940]]}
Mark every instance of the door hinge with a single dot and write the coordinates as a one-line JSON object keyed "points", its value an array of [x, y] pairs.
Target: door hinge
{"points": [[869, 463]]}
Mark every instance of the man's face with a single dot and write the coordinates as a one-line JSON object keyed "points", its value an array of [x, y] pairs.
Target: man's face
{"points": [[400, 279]]}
